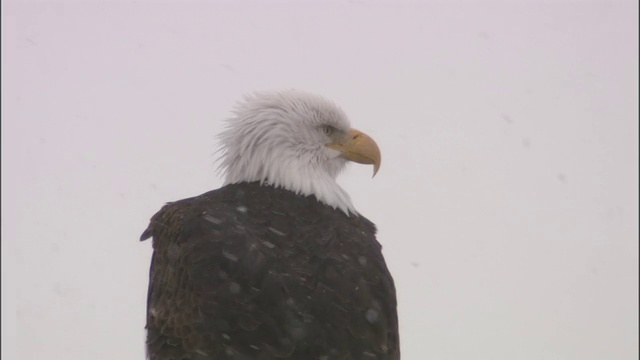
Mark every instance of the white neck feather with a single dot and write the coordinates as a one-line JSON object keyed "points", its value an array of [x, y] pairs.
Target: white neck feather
{"points": [[272, 139]]}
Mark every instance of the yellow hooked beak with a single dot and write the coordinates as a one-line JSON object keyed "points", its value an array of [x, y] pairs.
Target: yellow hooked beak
{"points": [[358, 147]]}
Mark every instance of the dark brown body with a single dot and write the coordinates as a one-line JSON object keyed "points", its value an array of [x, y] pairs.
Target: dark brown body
{"points": [[255, 272]]}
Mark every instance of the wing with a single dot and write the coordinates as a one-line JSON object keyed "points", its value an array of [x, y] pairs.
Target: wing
{"points": [[189, 281], [226, 284]]}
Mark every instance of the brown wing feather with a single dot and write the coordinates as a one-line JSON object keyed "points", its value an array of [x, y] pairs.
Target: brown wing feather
{"points": [[253, 272]]}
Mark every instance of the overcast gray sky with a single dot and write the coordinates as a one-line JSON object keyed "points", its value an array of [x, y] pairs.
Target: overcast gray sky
{"points": [[507, 201]]}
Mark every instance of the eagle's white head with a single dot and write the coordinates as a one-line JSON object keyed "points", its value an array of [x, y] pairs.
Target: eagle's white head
{"points": [[294, 140]]}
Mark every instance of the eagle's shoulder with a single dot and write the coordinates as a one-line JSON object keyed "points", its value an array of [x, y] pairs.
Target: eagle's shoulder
{"points": [[260, 271]]}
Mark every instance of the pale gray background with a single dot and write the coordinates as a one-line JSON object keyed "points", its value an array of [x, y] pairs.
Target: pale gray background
{"points": [[507, 201]]}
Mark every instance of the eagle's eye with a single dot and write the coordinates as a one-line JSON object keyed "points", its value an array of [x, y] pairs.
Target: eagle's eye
{"points": [[328, 130]]}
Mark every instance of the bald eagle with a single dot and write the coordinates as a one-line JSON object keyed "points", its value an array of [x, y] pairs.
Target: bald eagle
{"points": [[277, 263]]}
